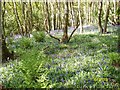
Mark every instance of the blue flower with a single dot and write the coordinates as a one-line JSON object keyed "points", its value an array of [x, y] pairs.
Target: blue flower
{"points": [[102, 83]]}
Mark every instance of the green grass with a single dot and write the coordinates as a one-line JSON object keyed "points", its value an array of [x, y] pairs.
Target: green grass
{"points": [[84, 62]]}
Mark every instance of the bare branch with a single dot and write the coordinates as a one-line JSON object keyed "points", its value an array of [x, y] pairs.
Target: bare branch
{"points": [[52, 36], [73, 32]]}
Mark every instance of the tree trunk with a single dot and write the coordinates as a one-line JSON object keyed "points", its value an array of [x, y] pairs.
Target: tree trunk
{"points": [[65, 28], [3, 12], [31, 19], [6, 55], [59, 18], [17, 18], [106, 18], [99, 17], [27, 21], [115, 8], [24, 16], [80, 18], [48, 16], [0, 35], [72, 13], [118, 14]]}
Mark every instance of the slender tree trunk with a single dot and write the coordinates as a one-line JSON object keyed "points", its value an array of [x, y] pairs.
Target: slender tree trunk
{"points": [[48, 16], [72, 13], [90, 14], [27, 20], [54, 21], [106, 18], [31, 19], [3, 23], [92, 10], [59, 14], [0, 35], [65, 28], [87, 13], [17, 19], [24, 16], [52, 11], [115, 8], [80, 18], [118, 14], [99, 17]]}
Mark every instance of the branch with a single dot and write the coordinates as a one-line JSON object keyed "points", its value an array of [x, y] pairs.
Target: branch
{"points": [[73, 32], [52, 36]]}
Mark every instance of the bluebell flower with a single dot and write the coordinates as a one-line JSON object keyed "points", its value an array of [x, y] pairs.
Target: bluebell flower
{"points": [[106, 67], [89, 81], [104, 62], [48, 66], [103, 58], [102, 83]]}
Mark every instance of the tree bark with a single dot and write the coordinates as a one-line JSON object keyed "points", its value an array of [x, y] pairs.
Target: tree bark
{"points": [[80, 18], [17, 18], [59, 18], [0, 35], [106, 18], [31, 19], [3, 13], [65, 28], [24, 16], [6, 55], [52, 11], [118, 14], [99, 17], [72, 13], [48, 16]]}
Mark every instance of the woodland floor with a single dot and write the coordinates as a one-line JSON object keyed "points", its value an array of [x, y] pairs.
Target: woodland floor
{"points": [[83, 62]]}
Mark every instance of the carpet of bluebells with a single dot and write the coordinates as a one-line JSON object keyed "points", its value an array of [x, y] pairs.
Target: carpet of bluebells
{"points": [[84, 62]]}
